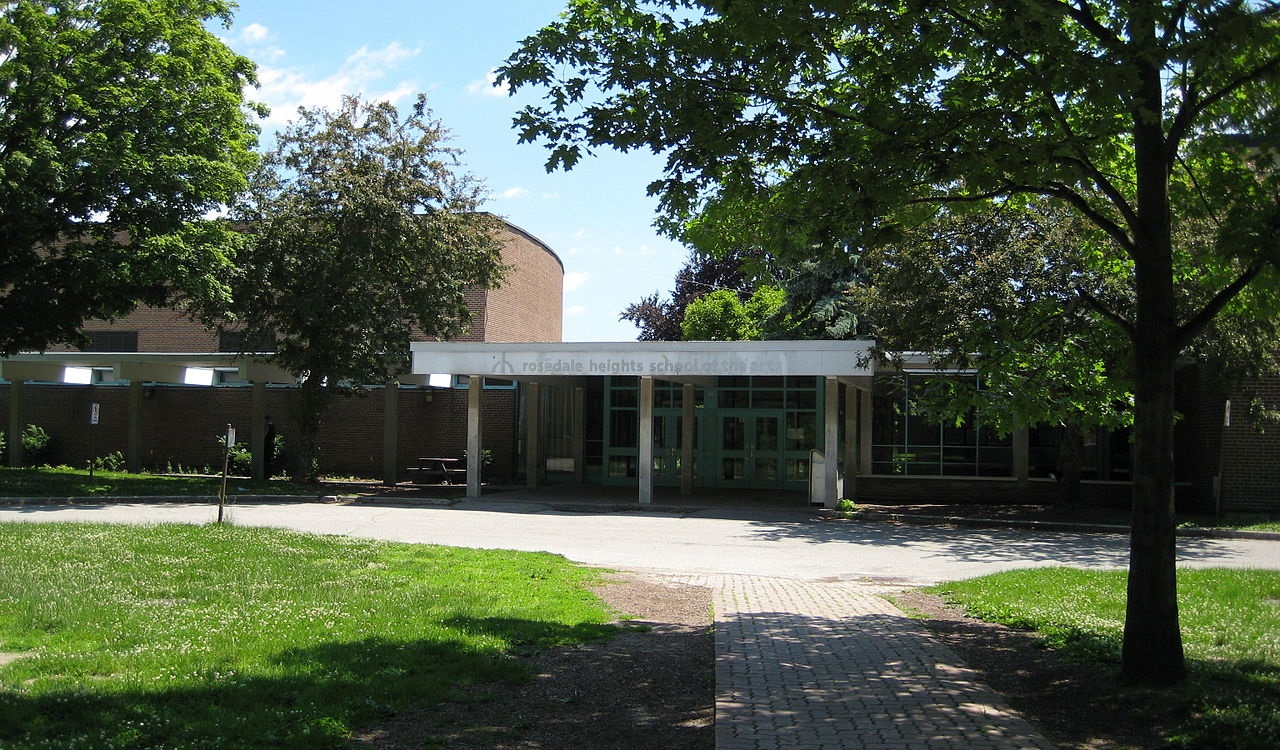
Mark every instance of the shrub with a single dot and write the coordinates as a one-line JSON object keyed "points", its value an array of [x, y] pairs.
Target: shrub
{"points": [[109, 462], [37, 445], [239, 461]]}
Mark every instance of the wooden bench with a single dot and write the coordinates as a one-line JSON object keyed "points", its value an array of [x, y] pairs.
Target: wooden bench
{"points": [[443, 469]]}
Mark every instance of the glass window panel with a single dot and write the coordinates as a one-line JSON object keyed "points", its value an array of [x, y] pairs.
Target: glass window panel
{"points": [[733, 434], [768, 381], [732, 468], [767, 434], [766, 469], [802, 429], [797, 399], [797, 469], [624, 398], [767, 400], [735, 399], [624, 429], [622, 466]]}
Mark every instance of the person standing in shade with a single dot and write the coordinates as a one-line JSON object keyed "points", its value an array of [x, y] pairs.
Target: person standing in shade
{"points": [[269, 451]]}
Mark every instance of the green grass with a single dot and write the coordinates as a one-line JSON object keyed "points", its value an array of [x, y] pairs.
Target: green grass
{"points": [[1230, 628], [219, 636], [67, 482]]}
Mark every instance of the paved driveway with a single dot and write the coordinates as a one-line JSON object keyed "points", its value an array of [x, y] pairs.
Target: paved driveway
{"points": [[785, 544]]}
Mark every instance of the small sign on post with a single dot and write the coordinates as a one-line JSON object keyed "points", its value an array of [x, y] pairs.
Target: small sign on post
{"points": [[226, 463], [95, 411]]}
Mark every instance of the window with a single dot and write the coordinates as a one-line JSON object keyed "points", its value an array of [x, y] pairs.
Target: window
{"points": [[111, 341], [239, 341]]}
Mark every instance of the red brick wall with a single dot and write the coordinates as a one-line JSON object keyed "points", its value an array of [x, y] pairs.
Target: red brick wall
{"points": [[1250, 453], [181, 425], [528, 306]]}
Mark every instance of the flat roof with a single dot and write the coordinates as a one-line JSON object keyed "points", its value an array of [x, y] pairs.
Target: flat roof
{"points": [[668, 360]]}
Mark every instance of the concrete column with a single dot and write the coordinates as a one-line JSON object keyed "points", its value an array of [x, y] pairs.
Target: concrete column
{"points": [[644, 471], [533, 434], [475, 457], [391, 433], [133, 448], [686, 439], [258, 431], [831, 440], [864, 431], [851, 441], [579, 435], [17, 391]]}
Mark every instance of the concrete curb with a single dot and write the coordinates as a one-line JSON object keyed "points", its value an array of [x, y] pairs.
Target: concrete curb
{"points": [[1064, 526]]}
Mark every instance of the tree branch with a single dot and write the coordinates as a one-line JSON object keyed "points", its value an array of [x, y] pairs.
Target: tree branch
{"points": [[1124, 323], [1189, 330]]}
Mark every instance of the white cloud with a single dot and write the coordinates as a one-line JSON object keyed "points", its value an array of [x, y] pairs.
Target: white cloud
{"points": [[285, 89], [254, 33], [515, 192], [575, 279], [575, 311], [488, 86]]}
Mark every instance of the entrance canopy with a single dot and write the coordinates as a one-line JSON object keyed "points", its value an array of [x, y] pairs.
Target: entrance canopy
{"points": [[691, 363], [680, 361]]}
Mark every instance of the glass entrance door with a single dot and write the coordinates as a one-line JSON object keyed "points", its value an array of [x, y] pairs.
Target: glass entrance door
{"points": [[668, 446], [750, 448]]}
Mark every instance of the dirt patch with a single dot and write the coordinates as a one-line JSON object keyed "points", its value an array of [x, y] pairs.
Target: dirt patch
{"points": [[652, 686], [1080, 706], [9, 657]]}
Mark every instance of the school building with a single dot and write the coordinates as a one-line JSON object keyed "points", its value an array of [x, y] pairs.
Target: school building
{"points": [[819, 420]]}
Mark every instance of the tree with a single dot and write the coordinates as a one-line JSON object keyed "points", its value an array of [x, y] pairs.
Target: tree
{"points": [[837, 122], [997, 291], [702, 273], [118, 119], [723, 316], [362, 235]]}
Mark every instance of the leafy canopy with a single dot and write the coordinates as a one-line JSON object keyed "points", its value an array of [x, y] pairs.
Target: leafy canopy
{"points": [[835, 124], [118, 118], [362, 235]]}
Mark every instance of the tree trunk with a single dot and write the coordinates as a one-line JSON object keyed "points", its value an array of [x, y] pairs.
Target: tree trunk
{"points": [[1152, 649], [312, 402]]}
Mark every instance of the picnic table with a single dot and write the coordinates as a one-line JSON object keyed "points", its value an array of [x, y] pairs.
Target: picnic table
{"points": [[436, 466]]}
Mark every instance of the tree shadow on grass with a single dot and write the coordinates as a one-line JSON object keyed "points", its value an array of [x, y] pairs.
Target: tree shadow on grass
{"points": [[308, 697]]}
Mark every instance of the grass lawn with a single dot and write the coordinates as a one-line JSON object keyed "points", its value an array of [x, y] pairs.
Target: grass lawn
{"points": [[218, 636], [1230, 629]]}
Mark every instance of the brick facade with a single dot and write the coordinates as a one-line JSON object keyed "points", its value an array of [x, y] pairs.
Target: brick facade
{"points": [[527, 306], [180, 425]]}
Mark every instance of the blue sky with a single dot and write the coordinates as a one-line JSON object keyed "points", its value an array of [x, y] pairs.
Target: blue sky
{"points": [[597, 217]]}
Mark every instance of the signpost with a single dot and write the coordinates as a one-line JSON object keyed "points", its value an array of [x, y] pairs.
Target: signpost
{"points": [[226, 462], [95, 411]]}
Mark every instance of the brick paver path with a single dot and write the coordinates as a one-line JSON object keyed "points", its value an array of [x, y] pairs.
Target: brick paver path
{"points": [[807, 664]]}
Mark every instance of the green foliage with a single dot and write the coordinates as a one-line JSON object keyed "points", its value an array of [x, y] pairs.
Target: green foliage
{"points": [[37, 445], [217, 636], [120, 116], [362, 234], [239, 459], [110, 462], [1229, 617], [830, 130], [722, 315]]}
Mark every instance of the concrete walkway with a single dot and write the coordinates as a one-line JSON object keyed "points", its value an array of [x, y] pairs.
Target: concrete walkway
{"points": [[828, 665]]}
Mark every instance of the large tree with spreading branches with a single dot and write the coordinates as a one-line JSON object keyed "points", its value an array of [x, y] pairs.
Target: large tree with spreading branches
{"points": [[832, 124], [122, 124], [363, 234]]}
